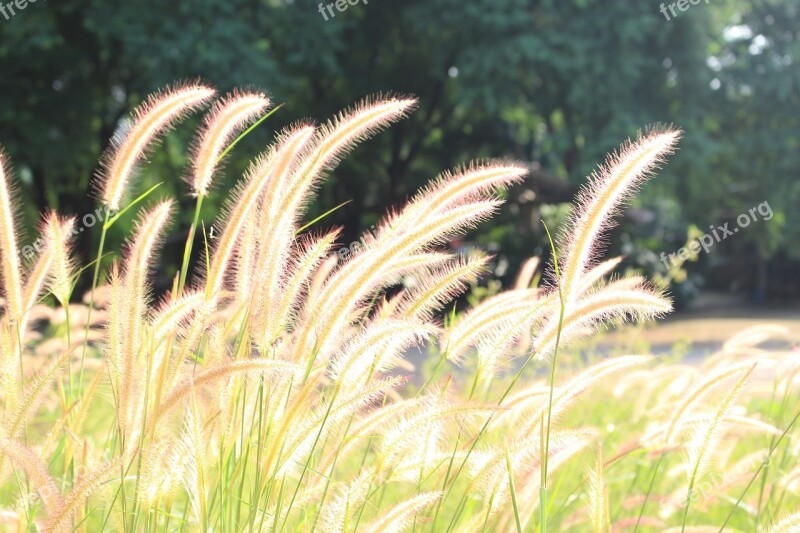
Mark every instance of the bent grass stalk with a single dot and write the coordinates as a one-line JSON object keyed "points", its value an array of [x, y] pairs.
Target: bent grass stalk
{"points": [[705, 439], [761, 467], [187, 249], [649, 489], [512, 489], [546, 453], [98, 260], [445, 489]]}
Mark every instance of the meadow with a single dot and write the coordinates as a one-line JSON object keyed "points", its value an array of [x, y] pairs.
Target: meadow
{"points": [[268, 390]]}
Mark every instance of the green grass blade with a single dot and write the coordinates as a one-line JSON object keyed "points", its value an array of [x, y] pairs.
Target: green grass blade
{"points": [[246, 132], [323, 215], [116, 217], [512, 489]]}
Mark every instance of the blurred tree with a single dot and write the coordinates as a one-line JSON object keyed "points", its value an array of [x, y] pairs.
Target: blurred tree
{"points": [[757, 104], [557, 83]]}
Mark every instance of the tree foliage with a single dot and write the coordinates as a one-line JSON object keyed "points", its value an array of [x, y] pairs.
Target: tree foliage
{"points": [[553, 83]]}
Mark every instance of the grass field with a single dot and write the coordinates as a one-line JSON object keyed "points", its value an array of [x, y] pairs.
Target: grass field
{"points": [[269, 390]]}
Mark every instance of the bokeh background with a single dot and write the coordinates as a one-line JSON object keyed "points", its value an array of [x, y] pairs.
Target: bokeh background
{"points": [[554, 83]]}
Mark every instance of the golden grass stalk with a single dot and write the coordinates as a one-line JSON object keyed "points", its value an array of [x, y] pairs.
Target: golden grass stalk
{"points": [[340, 135], [608, 188], [32, 395], [269, 323], [318, 277], [435, 288], [284, 206], [597, 491], [787, 524], [705, 439], [403, 514], [364, 275], [135, 300], [418, 262], [149, 228], [173, 314], [58, 234], [45, 271], [604, 305], [245, 253], [376, 350], [272, 167], [149, 121], [115, 326], [516, 308], [597, 273], [9, 254], [219, 372], [227, 117], [702, 389], [477, 181], [60, 514], [36, 470]]}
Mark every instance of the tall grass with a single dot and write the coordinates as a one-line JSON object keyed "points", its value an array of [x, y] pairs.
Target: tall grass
{"points": [[269, 389]]}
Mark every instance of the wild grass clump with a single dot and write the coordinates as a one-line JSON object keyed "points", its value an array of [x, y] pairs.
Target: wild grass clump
{"points": [[268, 389]]}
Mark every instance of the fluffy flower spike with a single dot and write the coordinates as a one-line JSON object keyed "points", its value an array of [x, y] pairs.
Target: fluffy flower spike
{"points": [[150, 120], [227, 117]]}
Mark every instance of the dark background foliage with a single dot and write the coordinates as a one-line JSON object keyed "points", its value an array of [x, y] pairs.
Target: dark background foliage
{"points": [[553, 83]]}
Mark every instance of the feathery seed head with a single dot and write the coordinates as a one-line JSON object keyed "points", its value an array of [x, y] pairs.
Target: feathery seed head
{"points": [[227, 118], [351, 126], [150, 120], [705, 438], [402, 515], [608, 188], [149, 229], [608, 304], [36, 470], [475, 182], [788, 524], [11, 275], [270, 168], [597, 489], [58, 235]]}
